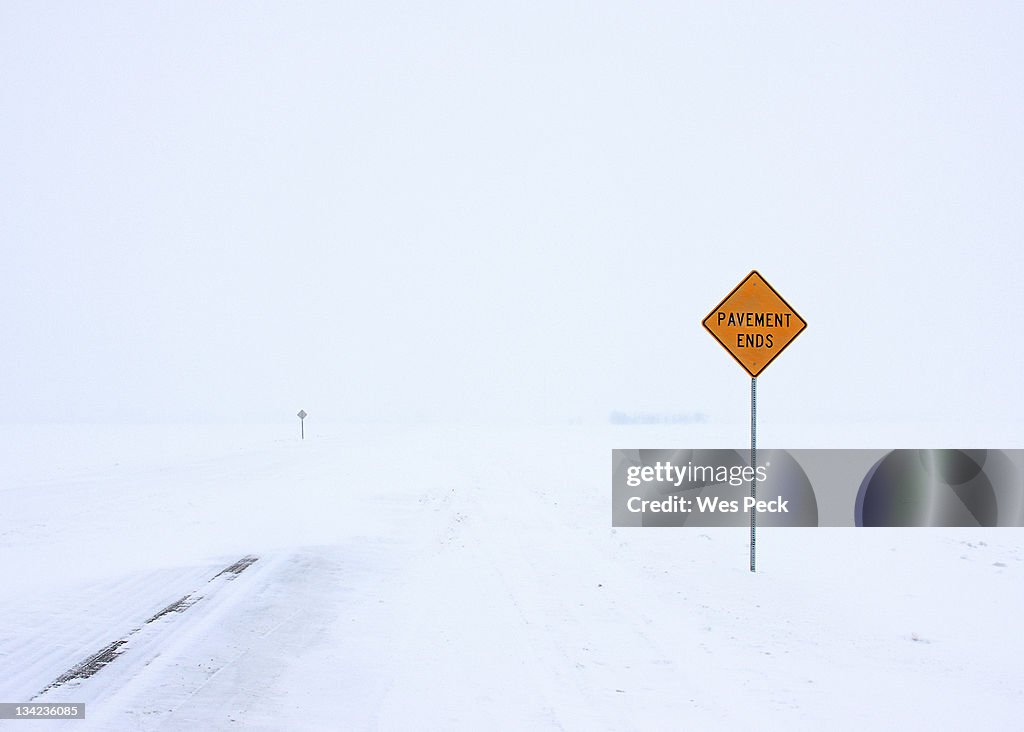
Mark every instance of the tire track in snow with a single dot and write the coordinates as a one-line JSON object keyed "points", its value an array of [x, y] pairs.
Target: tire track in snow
{"points": [[45, 632], [95, 662]]}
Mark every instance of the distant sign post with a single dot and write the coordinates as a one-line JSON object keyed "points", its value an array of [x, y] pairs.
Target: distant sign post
{"points": [[302, 423], [754, 324]]}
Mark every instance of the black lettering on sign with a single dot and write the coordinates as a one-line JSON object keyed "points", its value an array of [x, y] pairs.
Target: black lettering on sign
{"points": [[754, 340], [754, 320]]}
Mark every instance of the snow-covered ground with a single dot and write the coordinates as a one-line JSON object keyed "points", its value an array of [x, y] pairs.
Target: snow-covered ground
{"points": [[469, 578]]}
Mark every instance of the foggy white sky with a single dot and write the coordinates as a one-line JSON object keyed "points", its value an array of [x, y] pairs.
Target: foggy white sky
{"points": [[227, 211]]}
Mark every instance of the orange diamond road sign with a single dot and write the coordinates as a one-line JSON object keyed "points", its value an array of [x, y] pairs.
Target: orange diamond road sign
{"points": [[754, 323]]}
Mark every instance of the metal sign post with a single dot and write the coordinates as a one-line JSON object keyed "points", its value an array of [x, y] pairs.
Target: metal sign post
{"points": [[302, 423], [754, 324], [753, 475]]}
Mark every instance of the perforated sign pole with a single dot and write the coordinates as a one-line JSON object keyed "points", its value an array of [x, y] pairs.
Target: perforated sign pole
{"points": [[753, 476], [302, 423]]}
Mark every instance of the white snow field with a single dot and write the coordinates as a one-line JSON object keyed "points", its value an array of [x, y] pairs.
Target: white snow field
{"points": [[375, 578]]}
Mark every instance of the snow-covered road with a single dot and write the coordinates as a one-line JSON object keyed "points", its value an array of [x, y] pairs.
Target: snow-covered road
{"points": [[468, 579]]}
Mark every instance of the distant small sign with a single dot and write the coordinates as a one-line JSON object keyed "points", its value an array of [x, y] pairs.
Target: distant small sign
{"points": [[302, 414]]}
